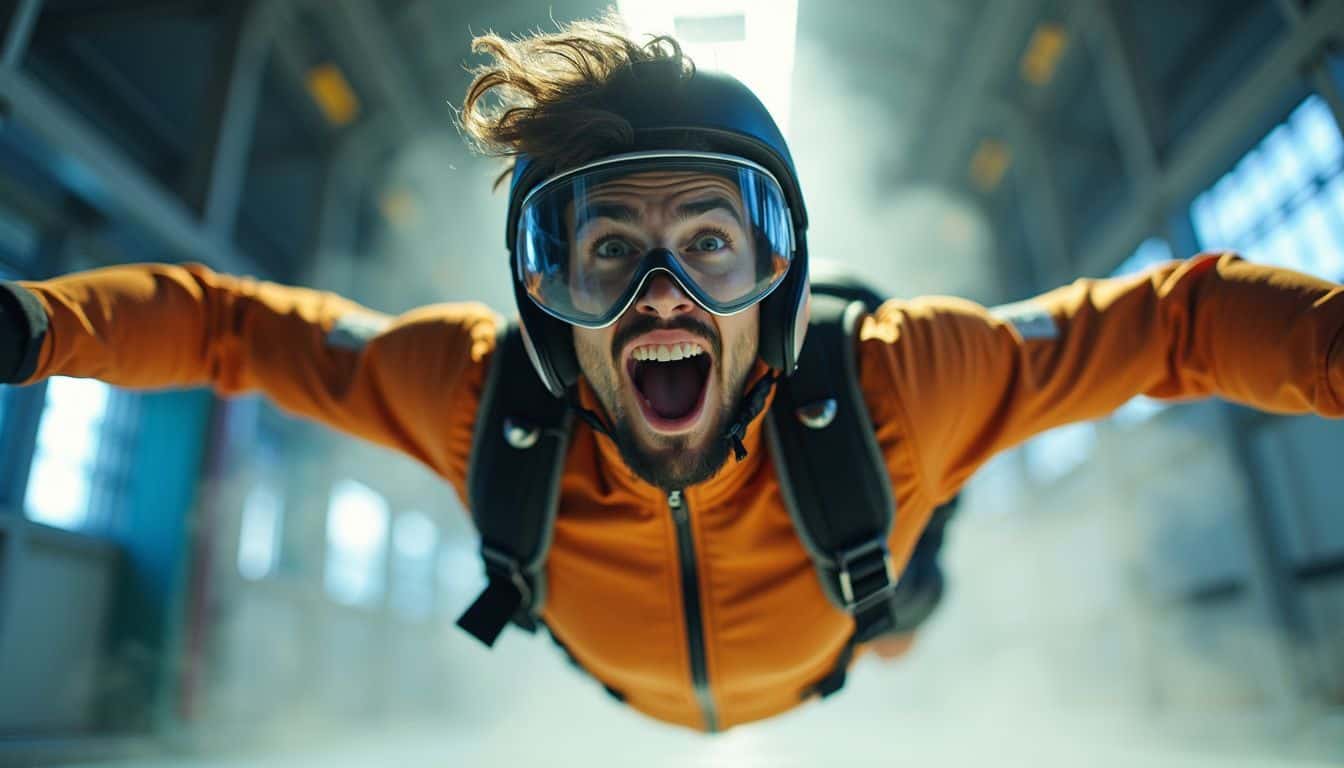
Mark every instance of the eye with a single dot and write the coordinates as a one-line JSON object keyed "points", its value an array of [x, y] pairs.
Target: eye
{"points": [[613, 248], [709, 242]]}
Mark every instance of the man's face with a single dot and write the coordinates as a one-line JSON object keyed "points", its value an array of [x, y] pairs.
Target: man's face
{"points": [[668, 373]]}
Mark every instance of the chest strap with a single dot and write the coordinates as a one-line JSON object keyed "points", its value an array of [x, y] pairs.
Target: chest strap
{"points": [[832, 476], [517, 460]]}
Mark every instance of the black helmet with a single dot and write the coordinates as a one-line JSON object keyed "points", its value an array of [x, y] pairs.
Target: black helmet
{"points": [[705, 111]]}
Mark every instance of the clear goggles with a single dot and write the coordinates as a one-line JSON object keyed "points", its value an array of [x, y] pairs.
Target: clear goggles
{"points": [[589, 239]]}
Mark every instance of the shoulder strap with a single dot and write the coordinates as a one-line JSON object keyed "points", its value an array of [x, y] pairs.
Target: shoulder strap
{"points": [[832, 475], [517, 459]]}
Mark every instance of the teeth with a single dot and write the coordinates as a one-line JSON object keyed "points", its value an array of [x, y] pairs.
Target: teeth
{"points": [[664, 353]]}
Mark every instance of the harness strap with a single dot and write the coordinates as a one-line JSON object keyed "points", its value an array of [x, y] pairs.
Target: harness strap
{"points": [[517, 459], [832, 476]]}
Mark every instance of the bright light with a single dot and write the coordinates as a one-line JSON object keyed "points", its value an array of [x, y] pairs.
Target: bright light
{"points": [[356, 544], [752, 40], [258, 536], [67, 449]]}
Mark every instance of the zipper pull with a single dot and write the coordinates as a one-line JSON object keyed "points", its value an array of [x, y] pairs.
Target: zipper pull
{"points": [[678, 508]]}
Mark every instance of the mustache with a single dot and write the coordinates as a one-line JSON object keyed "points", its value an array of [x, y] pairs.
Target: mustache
{"points": [[642, 324]]}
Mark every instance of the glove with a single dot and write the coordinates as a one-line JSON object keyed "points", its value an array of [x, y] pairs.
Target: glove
{"points": [[23, 323]]}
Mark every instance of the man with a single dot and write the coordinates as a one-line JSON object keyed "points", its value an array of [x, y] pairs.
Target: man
{"points": [[656, 232]]}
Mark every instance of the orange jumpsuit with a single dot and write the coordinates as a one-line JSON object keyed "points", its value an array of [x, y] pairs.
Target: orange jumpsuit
{"points": [[947, 382]]}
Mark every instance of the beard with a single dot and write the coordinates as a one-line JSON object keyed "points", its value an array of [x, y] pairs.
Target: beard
{"points": [[678, 464], [676, 461]]}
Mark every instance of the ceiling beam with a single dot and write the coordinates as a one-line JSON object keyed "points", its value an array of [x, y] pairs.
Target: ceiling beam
{"points": [[20, 32], [87, 19], [1051, 249], [362, 30], [1210, 146], [955, 123], [1127, 96], [219, 167], [1321, 79], [98, 171]]}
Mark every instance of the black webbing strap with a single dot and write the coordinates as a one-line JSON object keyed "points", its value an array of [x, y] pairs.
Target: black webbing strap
{"points": [[517, 459], [23, 324], [832, 476], [835, 679], [916, 596]]}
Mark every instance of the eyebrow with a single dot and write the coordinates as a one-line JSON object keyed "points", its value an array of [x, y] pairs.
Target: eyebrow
{"points": [[627, 214], [615, 211], [700, 207]]}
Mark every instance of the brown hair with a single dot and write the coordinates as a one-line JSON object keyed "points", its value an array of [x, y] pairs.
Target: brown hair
{"points": [[550, 95]]}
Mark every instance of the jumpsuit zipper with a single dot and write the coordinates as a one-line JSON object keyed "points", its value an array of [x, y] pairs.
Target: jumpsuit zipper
{"points": [[690, 600]]}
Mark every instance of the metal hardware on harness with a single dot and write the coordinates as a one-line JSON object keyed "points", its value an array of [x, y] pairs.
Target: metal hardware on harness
{"points": [[506, 563], [520, 434], [818, 415], [861, 562]]}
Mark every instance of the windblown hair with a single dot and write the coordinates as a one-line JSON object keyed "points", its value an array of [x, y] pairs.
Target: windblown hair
{"points": [[550, 95]]}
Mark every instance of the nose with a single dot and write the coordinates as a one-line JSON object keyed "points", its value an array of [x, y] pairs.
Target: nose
{"points": [[662, 297]]}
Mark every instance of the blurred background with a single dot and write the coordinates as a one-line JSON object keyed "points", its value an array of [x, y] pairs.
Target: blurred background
{"points": [[186, 580]]}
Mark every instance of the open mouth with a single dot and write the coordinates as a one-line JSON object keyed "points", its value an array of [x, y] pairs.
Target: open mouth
{"points": [[670, 382]]}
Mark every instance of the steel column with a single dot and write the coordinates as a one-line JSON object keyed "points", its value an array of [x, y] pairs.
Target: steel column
{"points": [[215, 186], [1321, 79], [372, 43], [1126, 95], [997, 39], [20, 32], [1272, 579], [337, 221], [1051, 251]]}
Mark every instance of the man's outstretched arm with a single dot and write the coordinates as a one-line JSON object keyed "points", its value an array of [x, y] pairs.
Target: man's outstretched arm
{"points": [[407, 382], [969, 382]]}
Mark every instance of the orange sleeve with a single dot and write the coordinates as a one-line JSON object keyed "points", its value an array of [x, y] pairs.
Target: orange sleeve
{"points": [[410, 383], [968, 382]]}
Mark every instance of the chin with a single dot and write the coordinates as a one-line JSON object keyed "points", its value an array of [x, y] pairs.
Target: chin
{"points": [[673, 462]]}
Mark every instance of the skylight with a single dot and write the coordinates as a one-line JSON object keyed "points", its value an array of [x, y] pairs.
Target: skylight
{"points": [[752, 40]]}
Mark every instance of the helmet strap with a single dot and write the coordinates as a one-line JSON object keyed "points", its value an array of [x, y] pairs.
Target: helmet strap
{"points": [[586, 415], [751, 407]]}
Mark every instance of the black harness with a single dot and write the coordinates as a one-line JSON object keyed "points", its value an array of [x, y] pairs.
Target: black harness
{"points": [[832, 479]]}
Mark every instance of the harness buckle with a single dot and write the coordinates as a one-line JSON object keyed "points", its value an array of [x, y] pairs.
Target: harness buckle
{"points": [[866, 573], [498, 561]]}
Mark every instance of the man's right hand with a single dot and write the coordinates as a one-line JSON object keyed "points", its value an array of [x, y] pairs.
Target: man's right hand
{"points": [[892, 646]]}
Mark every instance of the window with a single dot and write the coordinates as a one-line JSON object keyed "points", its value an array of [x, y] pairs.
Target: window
{"points": [[259, 534], [356, 544], [414, 542], [82, 455], [1283, 203]]}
